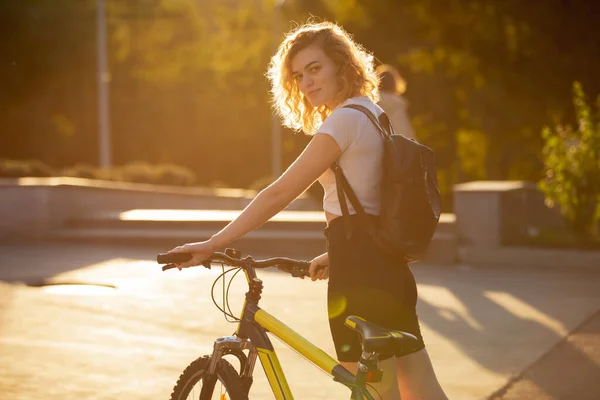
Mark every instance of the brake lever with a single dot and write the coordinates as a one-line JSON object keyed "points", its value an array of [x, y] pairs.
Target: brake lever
{"points": [[205, 264], [168, 266]]}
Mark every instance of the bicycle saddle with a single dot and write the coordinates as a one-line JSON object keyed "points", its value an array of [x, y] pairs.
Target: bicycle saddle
{"points": [[380, 340]]}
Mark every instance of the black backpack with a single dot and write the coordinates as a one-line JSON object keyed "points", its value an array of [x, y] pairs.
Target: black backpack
{"points": [[410, 198]]}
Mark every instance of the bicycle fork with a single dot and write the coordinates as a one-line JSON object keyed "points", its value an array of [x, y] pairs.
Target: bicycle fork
{"points": [[235, 346]]}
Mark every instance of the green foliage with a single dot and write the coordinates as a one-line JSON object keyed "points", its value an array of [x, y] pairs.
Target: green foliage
{"points": [[161, 174], [22, 168], [135, 172], [86, 171], [472, 153], [188, 37], [187, 79], [572, 164]]}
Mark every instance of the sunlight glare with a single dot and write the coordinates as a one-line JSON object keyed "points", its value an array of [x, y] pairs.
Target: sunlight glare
{"points": [[449, 306], [525, 311], [214, 215], [78, 289]]}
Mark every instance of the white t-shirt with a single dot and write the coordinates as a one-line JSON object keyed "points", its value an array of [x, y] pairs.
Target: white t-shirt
{"points": [[361, 159]]}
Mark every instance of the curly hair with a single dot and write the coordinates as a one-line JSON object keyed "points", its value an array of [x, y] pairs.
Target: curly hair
{"points": [[356, 74]]}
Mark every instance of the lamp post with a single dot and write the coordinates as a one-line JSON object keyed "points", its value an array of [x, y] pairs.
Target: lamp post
{"points": [[276, 153], [275, 146], [103, 79]]}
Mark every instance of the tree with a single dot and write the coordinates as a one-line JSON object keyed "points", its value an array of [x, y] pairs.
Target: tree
{"points": [[572, 164], [47, 75], [188, 81], [479, 72]]}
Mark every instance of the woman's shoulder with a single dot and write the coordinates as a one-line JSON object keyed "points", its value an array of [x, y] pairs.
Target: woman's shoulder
{"points": [[344, 117], [361, 101], [347, 121]]}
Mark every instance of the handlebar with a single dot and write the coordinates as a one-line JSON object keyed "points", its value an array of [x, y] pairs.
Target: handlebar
{"points": [[297, 268]]}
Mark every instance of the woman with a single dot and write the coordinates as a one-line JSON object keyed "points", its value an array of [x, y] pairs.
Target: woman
{"points": [[392, 86], [317, 70]]}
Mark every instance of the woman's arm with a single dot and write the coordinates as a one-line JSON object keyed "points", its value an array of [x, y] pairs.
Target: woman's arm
{"points": [[319, 155]]}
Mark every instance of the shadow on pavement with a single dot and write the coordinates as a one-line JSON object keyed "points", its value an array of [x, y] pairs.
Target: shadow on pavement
{"points": [[501, 319], [528, 310], [569, 370], [32, 264]]}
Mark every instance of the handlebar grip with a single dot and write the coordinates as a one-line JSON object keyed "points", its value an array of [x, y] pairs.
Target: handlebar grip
{"points": [[299, 274], [173, 258], [305, 272], [301, 270]]}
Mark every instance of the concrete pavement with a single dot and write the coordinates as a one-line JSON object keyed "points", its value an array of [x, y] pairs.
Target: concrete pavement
{"points": [[482, 327], [570, 370]]}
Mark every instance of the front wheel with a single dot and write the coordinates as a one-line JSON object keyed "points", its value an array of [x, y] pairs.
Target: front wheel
{"points": [[195, 383]]}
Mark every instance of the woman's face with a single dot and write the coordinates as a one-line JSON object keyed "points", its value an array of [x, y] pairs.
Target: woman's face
{"points": [[316, 76]]}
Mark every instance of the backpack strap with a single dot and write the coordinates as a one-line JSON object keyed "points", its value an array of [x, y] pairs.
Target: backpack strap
{"points": [[386, 124], [343, 186], [380, 123]]}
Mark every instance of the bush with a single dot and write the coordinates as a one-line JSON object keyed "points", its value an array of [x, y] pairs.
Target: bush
{"points": [[161, 174], [24, 168], [136, 172], [171, 174], [572, 164], [85, 171]]}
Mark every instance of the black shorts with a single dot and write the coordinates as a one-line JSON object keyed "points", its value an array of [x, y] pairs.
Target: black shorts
{"points": [[364, 283]]}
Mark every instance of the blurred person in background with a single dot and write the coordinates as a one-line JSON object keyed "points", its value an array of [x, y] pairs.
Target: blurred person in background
{"points": [[391, 88]]}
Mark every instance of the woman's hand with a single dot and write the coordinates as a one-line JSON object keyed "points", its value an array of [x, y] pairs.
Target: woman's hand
{"points": [[200, 252], [319, 273]]}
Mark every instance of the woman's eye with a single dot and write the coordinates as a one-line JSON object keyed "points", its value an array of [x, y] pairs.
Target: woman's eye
{"points": [[298, 78], [314, 69]]}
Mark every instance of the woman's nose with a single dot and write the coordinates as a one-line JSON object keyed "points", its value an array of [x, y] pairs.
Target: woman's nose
{"points": [[307, 81]]}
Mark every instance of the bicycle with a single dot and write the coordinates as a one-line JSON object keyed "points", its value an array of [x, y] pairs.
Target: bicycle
{"points": [[250, 340]]}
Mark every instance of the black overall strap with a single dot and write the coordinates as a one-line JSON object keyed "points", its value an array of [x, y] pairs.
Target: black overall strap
{"points": [[344, 189], [340, 181]]}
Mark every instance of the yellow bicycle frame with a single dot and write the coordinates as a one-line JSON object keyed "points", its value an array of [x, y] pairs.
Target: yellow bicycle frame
{"points": [[255, 323], [269, 359]]}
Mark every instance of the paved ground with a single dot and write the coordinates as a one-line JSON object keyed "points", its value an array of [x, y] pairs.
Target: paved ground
{"points": [[570, 370], [483, 327]]}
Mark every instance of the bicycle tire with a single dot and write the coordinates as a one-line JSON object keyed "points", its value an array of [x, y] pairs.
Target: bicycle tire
{"points": [[194, 373]]}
